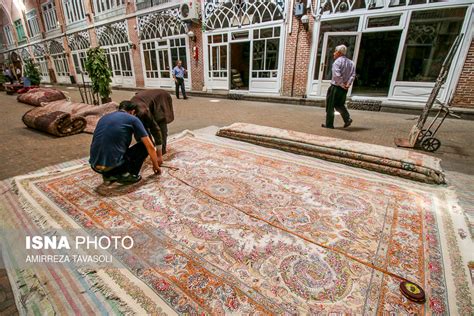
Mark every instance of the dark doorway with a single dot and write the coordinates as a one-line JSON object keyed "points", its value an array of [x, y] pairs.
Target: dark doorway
{"points": [[375, 63], [239, 65]]}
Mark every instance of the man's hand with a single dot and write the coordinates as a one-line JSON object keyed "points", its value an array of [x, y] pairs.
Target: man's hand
{"points": [[156, 169], [159, 155], [153, 156]]}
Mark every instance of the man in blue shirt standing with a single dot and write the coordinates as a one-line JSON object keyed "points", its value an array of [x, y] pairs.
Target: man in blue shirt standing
{"points": [[111, 154], [178, 76], [343, 75]]}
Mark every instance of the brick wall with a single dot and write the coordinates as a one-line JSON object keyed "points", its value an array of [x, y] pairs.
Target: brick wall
{"points": [[464, 94], [297, 57], [197, 66]]}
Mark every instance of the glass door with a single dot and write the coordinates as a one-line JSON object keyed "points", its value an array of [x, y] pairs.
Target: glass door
{"points": [[164, 63], [218, 66], [79, 59], [331, 40], [113, 58], [43, 66]]}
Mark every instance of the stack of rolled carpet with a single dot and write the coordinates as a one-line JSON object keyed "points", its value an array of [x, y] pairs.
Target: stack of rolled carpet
{"points": [[403, 163], [58, 116]]}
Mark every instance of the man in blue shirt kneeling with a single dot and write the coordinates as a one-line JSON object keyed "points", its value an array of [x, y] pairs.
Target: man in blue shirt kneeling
{"points": [[111, 154]]}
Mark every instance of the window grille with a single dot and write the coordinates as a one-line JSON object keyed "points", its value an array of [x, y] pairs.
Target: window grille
{"points": [[32, 20], [220, 14], [161, 24], [112, 34]]}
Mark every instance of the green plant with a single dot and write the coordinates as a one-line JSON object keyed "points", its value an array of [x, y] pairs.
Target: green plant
{"points": [[32, 72], [99, 71]]}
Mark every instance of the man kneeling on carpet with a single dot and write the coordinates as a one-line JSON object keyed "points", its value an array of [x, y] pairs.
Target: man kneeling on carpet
{"points": [[111, 154]]}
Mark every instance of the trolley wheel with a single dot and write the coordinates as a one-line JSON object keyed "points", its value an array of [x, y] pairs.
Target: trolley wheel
{"points": [[426, 133], [431, 144]]}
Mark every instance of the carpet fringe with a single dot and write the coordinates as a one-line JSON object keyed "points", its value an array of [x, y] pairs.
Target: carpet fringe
{"points": [[94, 280], [98, 285]]}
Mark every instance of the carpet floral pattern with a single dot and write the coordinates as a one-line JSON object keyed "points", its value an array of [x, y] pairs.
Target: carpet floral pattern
{"points": [[234, 228]]}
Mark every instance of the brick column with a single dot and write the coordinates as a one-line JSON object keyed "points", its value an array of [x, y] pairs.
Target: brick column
{"points": [[37, 5], [464, 93], [297, 57], [197, 65], [136, 52]]}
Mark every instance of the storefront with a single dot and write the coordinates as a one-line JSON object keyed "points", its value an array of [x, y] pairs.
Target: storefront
{"points": [[164, 41], [114, 40], [79, 43], [398, 46], [243, 46], [59, 58]]}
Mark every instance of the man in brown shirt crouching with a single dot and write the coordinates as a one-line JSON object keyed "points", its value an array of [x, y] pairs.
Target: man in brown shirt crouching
{"points": [[155, 110]]}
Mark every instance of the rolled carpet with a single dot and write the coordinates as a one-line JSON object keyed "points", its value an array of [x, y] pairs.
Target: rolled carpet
{"points": [[92, 113], [37, 96], [57, 123], [402, 163]]}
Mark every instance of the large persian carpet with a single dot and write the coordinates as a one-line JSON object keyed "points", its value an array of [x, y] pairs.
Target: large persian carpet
{"points": [[235, 228], [403, 163]]}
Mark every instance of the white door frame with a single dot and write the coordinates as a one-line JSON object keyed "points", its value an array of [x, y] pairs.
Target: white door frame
{"points": [[160, 81], [84, 71], [229, 72], [207, 55], [61, 59], [322, 66], [221, 79], [129, 80]]}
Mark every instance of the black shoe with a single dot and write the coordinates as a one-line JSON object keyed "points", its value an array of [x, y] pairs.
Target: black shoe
{"points": [[348, 123], [324, 125], [129, 178], [185, 98], [110, 179]]}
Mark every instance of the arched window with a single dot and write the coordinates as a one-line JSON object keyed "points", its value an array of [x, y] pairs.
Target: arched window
{"points": [[219, 14], [38, 50], [55, 48], [112, 34], [25, 54], [161, 24], [58, 55], [79, 41], [39, 53]]}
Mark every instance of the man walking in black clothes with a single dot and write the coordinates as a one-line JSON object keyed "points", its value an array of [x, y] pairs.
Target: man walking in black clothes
{"points": [[343, 75], [178, 75]]}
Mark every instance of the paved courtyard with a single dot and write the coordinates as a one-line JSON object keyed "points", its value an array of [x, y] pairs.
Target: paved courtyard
{"points": [[25, 150]]}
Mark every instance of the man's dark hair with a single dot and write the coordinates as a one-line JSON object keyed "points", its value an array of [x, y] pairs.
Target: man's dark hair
{"points": [[127, 106]]}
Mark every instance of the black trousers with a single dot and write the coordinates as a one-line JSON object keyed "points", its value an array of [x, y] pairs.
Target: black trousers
{"points": [[134, 158], [180, 82], [336, 99], [164, 135]]}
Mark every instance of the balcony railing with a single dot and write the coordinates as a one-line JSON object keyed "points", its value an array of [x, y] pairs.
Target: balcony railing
{"points": [[144, 4]]}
